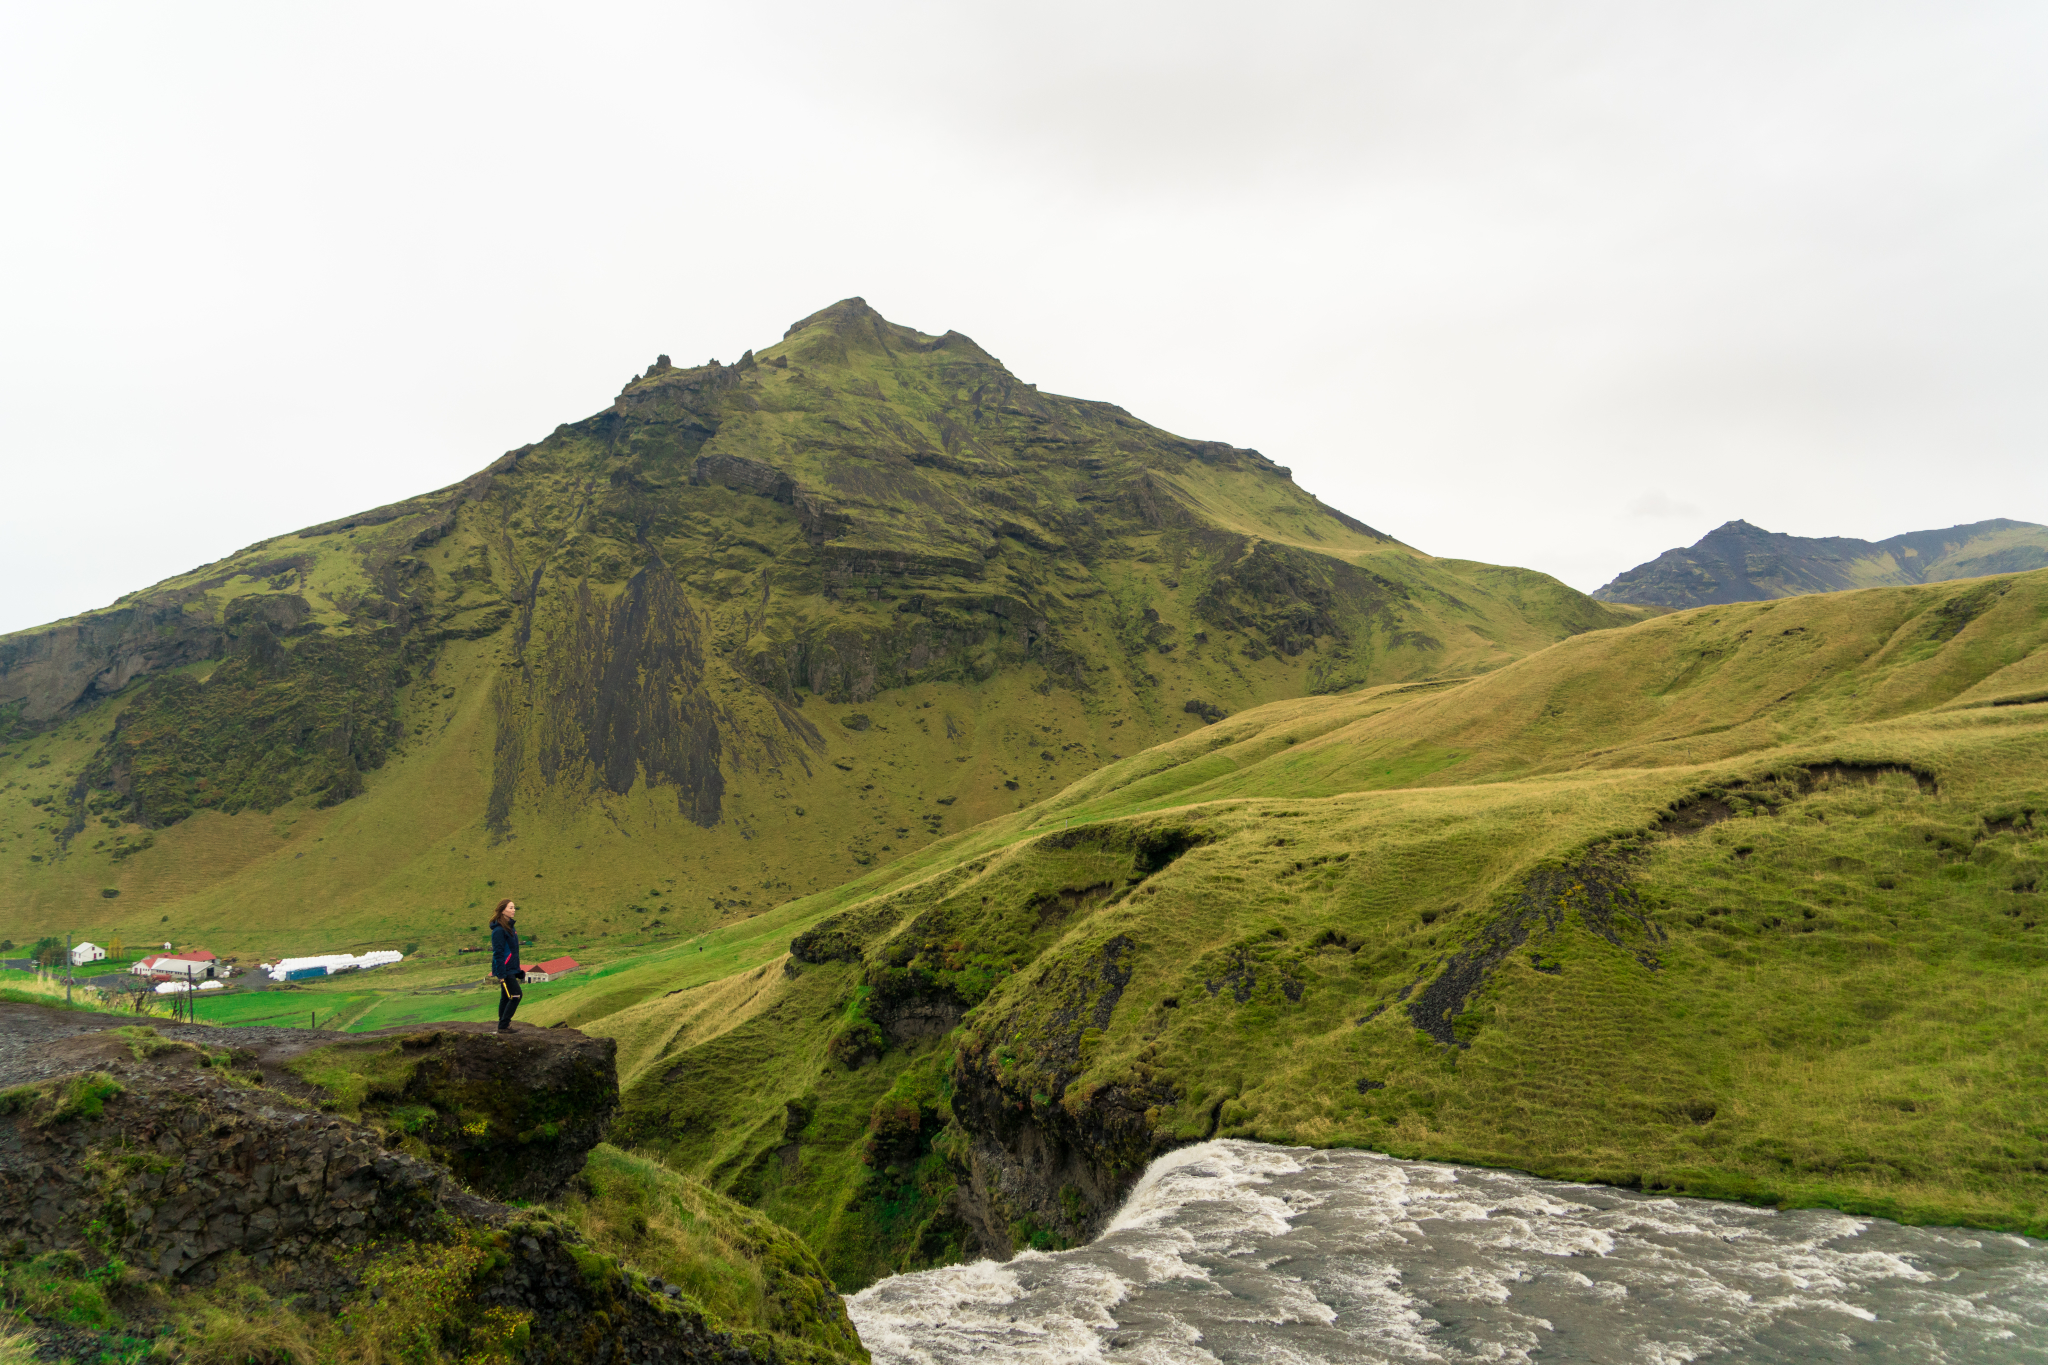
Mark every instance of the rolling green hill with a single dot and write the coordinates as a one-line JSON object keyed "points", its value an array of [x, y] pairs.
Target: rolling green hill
{"points": [[1737, 562], [753, 628], [1742, 901]]}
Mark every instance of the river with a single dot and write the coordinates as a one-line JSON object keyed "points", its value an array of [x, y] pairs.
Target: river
{"points": [[1239, 1252]]}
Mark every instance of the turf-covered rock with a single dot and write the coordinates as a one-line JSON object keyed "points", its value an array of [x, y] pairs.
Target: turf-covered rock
{"points": [[514, 1115], [156, 1192]]}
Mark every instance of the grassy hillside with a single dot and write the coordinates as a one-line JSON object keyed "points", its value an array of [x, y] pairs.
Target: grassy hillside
{"points": [[751, 630], [1737, 562], [1742, 902]]}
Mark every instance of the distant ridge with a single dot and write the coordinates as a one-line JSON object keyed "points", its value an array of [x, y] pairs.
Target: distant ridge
{"points": [[1738, 562]]}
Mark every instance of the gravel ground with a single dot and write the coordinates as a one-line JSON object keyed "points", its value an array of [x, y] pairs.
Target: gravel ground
{"points": [[26, 1031]]}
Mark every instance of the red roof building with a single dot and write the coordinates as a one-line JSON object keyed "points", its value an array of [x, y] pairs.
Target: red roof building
{"points": [[548, 971], [195, 963]]}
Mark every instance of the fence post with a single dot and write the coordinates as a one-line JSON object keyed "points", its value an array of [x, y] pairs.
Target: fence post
{"points": [[67, 969]]}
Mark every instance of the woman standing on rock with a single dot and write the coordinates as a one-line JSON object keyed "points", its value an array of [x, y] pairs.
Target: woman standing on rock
{"points": [[505, 962]]}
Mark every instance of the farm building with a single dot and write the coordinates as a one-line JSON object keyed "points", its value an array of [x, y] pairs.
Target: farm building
{"points": [[191, 965], [549, 971], [87, 952]]}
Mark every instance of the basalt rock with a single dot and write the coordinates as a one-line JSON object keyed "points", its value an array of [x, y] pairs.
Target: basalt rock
{"points": [[72, 663], [182, 1166]]}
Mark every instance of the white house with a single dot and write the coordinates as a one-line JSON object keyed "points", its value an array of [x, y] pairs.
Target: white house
{"points": [[87, 952]]}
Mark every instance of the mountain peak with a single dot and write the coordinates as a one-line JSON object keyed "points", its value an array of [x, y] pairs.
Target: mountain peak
{"points": [[1741, 562], [849, 328], [848, 312]]}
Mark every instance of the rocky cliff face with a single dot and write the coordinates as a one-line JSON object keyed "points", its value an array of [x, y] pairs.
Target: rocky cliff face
{"points": [[51, 671], [1036, 1163]]}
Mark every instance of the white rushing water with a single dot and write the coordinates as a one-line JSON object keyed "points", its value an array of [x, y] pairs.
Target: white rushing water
{"points": [[1240, 1252]]}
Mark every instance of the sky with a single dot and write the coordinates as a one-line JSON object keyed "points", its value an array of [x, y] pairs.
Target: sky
{"points": [[1555, 284]]}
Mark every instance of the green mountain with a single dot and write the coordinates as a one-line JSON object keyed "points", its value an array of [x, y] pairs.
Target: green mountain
{"points": [[1737, 562], [1741, 902], [749, 630]]}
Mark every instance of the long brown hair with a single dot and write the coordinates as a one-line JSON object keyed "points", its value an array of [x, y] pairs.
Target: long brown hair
{"points": [[498, 915]]}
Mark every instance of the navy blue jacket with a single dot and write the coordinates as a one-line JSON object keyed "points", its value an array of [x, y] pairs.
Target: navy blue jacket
{"points": [[505, 952]]}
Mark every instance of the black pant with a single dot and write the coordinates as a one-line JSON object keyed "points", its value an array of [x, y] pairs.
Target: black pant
{"points": [[508, 1001]]}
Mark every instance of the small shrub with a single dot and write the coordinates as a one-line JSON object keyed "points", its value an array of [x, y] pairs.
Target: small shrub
{"points": [[499, 1338], [416, 1300], [246, 1330]]}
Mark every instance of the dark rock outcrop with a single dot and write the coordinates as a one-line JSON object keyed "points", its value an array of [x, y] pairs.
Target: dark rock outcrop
{"points": [[50, 671], [160, 1155], [182, 1165], [1044, 1165], [513, 1116]]}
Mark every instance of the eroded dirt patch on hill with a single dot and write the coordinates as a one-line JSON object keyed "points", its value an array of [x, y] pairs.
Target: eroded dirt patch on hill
{"points": [[1599, 888], [1769, 795]]}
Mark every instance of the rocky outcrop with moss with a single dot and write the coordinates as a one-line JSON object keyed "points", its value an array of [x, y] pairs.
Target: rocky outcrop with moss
{"points": [[159, 1191], [513, 1116]]}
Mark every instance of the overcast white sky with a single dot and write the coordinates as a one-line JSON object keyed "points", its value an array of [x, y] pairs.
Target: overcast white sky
{"points": [[1557, 284]]}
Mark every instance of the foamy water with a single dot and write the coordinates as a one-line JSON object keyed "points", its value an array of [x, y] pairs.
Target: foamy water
{"points": [[1240, 1252]]}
